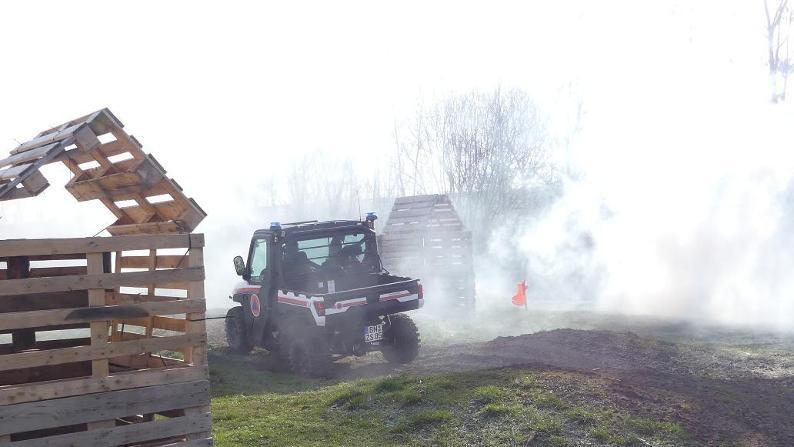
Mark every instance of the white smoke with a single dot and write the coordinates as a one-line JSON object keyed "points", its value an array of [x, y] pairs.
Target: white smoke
{"points": [[687, 214]]}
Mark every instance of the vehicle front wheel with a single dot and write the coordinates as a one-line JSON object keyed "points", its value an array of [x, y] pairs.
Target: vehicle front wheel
{"points": [[236, 335], [400, 340]]}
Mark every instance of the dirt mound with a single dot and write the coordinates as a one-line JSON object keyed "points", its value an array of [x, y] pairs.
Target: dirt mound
{"points": [[560, 348]]}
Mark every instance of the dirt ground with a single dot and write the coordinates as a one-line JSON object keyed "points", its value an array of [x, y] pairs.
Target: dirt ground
{"points": [[727, 386]]}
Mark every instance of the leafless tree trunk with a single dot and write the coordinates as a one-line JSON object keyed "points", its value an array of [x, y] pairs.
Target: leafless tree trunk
{"points": [[778, 25], [483, 148]]}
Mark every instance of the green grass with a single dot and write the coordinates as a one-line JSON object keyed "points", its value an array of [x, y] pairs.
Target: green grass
{"points": [[252, 407]]}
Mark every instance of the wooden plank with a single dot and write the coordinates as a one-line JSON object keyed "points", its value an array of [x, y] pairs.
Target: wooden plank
{"points": [[163, 261], [32, 392], [99, 329], [108, 350], [101, 281], [118, 298], [148, 228], [416, 199], [42, 318], [126, 434], [51, 413], [14, 171], [157, 322], [53, 344], [34, 247], [54, 137], [96, 188], [196, 354], [109, 149], [45, 272], [28, 156]]}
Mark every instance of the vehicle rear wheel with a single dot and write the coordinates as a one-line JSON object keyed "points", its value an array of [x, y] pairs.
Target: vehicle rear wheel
{"points": [[400, 340], [308, 356], [236, 335]]}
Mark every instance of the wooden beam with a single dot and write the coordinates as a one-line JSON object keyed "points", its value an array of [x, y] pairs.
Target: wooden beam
{"points": [[56, 389], [52, 413], [35, 247], [108, 350], [127, 434], [101, 281], [42, 318]]}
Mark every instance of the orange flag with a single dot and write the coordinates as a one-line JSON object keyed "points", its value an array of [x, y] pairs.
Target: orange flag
{"points": [[520, 298]]}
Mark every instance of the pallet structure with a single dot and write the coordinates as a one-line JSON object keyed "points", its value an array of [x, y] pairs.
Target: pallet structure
{"points": [[107, 165], [425, 238], [103, 340]]}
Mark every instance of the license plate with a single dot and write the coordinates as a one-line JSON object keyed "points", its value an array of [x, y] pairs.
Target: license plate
{"points": [[373, 333]]}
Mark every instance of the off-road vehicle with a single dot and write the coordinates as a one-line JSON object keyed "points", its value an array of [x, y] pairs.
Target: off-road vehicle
{"points": [[312, 290]]}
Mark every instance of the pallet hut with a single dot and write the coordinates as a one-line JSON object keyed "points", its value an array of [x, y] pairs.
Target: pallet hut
{"points": [[425, 238], [103, 340]]}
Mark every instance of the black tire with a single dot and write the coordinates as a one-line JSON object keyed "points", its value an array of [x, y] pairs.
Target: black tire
{"points": [[236, 333], [308, 356], [400, 340]]}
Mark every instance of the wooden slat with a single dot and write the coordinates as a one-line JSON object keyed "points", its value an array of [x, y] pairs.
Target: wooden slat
{"points": [[102, 281], [84, 353], [163, 261], [158, 322], [118, 298], [41, 318], [147, 228], [32, 392], [34, 247], [52, 413], [197, 325], [45, 272], [99, 329], [28, 156], [416, 199], [13, 172], [132, 433], [46, 140]]}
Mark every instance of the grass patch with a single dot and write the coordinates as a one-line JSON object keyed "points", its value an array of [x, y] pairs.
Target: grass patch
{"points": [[487, 394], [423, 419], [390, 384], [252, 406], [582, 416], [500, 409], [605, 434]]}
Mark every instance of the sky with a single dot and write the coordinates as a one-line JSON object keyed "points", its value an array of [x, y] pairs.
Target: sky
{"points": [[226, 95]]}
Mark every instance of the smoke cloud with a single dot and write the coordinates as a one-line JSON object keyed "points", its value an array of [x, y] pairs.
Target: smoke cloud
{"points": [[685, 214]]}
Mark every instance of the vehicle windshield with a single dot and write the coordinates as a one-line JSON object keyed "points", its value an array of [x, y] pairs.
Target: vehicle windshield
{"points": [[353, 252]]}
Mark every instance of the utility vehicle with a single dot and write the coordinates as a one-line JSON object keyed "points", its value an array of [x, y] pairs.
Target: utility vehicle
{"points": [[312, 290]]}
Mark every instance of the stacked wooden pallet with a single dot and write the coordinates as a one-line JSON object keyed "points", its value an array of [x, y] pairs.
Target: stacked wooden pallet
{"points": [[425, 238], [107, 165], [103, 340], [101, 357]]}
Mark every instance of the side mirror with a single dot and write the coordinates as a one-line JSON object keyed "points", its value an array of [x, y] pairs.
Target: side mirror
{"points": [[239, 265]]}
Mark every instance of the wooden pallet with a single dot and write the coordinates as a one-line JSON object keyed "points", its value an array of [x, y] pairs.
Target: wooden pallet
{"points": [[107, 165], [107, 342], [425, 238]]}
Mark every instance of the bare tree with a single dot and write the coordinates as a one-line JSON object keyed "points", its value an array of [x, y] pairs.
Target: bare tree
{"points": [[778, 25], [319, 186], [485, 149]]}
